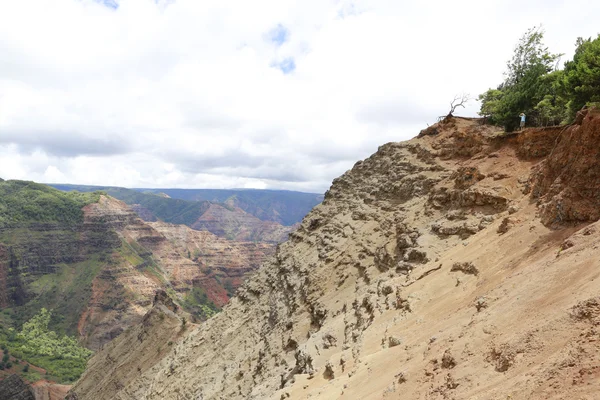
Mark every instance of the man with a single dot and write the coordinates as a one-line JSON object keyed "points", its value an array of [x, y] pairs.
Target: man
{"points": [[522, 115]]}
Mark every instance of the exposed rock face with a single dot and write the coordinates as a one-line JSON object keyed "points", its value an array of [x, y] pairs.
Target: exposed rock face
{"points": [[13, 388], [45, 390], [400, 277], [567, 182], [32, 251], [161, 256], [235, 224], [228, 261], [142, 345], [101, 275]]}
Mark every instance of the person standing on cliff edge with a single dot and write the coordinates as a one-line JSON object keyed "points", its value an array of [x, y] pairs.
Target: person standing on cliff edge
{"points": [[522, 115]]}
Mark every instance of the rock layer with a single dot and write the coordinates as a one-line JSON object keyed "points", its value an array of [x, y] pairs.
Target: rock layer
{"points": [[100, 275]]}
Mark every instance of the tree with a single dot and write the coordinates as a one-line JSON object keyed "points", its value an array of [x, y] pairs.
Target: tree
{"points": [[581, 81], [523, 88], [531, 56], [490, 103], [552, 108], [459, 101], [37, 339]]}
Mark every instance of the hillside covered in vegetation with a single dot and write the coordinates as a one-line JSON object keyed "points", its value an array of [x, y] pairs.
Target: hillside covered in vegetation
{"points": [[23, 202], [175, 211]]}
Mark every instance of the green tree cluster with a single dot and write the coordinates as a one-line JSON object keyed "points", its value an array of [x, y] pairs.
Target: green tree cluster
{"points": [[5, 363], [61, 356], [38, 339], [581, 76], [533, 84], [197, 303]]}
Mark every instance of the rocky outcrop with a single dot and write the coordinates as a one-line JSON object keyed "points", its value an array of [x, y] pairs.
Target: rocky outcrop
{"points": [[567, 182], [46, 390], [13, 388], [400, 285]]}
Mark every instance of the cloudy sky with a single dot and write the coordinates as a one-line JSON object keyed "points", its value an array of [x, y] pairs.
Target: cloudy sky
{"points": [[274, 94]]}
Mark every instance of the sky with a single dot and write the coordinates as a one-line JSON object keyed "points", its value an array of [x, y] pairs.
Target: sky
{"points": [[270, 94]]}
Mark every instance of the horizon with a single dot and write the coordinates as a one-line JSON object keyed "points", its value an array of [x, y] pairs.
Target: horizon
{"points": [[175, 188]]}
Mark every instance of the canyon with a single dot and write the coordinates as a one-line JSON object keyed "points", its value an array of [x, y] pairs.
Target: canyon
{"points": [[99, 275]]}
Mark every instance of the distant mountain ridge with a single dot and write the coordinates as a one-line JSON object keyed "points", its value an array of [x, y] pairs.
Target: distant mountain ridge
{"points": [[157, 207], [282, 206]]}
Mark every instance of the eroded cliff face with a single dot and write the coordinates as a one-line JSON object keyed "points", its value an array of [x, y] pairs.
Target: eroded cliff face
{"points": [[158, 256], [567, 183], [227, 262], [32, 253], [140, 348], [99, 276], [429, 271]]}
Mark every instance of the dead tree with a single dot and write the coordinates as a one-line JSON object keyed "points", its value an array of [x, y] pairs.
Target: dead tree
{"points": [[459, 101]]}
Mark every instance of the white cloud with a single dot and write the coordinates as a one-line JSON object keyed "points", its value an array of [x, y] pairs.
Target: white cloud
{"points": [[190, 93]]}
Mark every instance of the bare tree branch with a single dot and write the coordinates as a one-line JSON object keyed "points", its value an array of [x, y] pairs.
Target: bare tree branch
{"points": [[459, 101]]}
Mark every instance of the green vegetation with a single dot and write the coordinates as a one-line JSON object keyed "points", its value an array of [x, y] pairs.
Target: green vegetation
{"points": [[67, 292], [581, 76], [228, 285], [61, 356], [31, 376], [533, 84], [196, 302], [24, 202]]}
